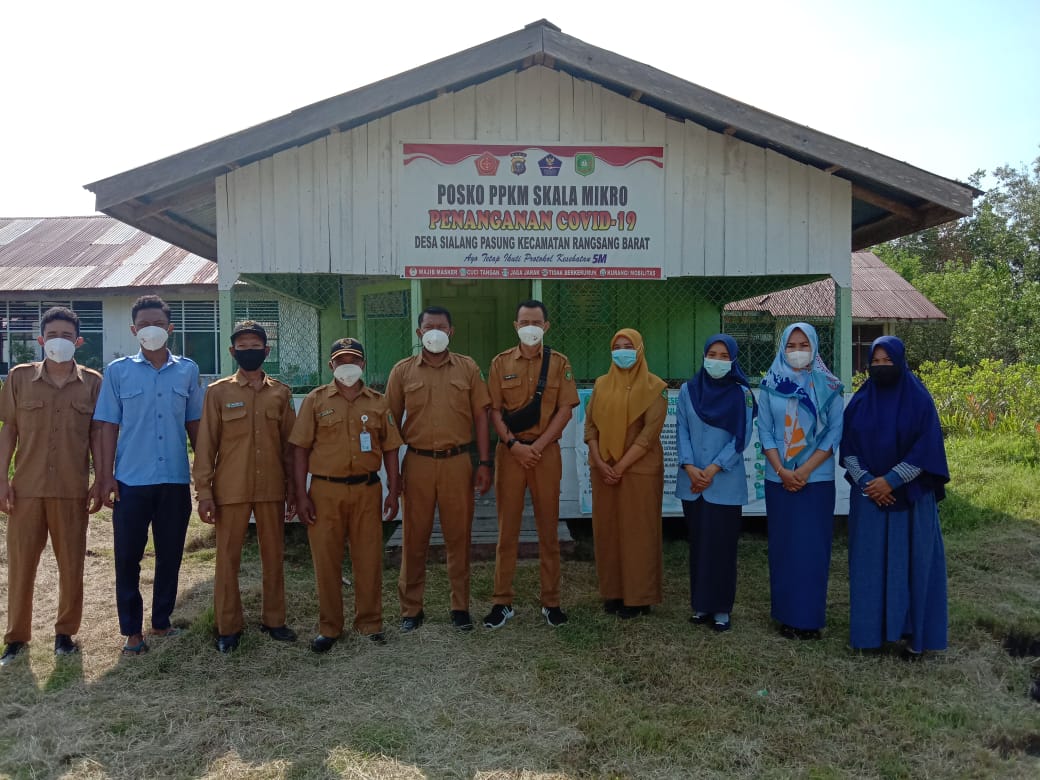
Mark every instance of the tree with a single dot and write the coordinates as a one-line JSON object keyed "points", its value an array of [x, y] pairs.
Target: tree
{"points": [[983, 271]]}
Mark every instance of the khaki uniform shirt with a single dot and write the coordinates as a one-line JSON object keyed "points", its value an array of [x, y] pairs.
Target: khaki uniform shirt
{"points": [[53, 429], [513, 380], [438, 403], [242, 454], [330, 426], [645, 431]]}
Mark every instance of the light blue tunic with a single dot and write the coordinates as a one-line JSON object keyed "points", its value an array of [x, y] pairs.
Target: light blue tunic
{"points": [[700, 445], [771, 412]]}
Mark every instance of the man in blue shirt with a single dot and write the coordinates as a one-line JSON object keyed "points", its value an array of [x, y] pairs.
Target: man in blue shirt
{"points": [[148, 402]]}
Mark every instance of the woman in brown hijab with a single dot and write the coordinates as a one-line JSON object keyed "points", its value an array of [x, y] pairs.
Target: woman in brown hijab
{"points": [[623, 424]]}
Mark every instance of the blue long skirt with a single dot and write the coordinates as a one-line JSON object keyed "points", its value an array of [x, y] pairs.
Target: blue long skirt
{"points": [[897, 575], [801, 529]]}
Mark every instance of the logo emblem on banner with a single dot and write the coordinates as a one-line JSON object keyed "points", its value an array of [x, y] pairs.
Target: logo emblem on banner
{"points": [[487, 164], [518, 163], [550, 165], [584, 163]]}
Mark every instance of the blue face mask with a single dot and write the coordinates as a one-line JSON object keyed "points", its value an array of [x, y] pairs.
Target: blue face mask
{"points": [[624, 358]]}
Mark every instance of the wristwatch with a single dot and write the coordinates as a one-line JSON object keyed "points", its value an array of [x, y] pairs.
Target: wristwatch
{"points": [[511, 442], [488, 463]]}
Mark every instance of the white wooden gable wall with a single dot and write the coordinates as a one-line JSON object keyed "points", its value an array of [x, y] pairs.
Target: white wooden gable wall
{"points": [[733, 209]]}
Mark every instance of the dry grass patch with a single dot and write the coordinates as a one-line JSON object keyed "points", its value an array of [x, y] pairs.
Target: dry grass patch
{"points": [[649, 698]]}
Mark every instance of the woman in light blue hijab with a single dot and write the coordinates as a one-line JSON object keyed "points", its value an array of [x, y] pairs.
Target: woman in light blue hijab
{"points": [[800, 425]]}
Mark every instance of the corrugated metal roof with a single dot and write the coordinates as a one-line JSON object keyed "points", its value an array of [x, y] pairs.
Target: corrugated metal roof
{"points": [[92, 253], [878, 293]]}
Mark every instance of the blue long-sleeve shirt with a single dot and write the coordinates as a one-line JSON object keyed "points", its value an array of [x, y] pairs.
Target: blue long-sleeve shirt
{"points": [[771, 412], [700, 445]]}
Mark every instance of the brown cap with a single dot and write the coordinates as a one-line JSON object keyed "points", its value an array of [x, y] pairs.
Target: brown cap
{"points": [[349, 346]]}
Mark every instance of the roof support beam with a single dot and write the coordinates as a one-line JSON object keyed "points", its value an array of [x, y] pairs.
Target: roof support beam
{"points": [[874, 199]]}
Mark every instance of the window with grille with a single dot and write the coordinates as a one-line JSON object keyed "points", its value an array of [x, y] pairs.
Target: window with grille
{"points": [[196, 331], [862, 337], [265, 313], [20, 325]]}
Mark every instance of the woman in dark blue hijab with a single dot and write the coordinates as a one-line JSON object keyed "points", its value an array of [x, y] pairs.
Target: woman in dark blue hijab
{"points": [[892, 450], [714, 414]]}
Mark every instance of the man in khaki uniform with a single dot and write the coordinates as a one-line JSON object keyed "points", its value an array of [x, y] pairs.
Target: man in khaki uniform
{"points": [[528, 457], [46, 409], [243, 465], [344, 432], [446, 400]]}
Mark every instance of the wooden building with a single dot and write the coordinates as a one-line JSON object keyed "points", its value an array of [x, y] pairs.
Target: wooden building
{"points": [[372, 204]]}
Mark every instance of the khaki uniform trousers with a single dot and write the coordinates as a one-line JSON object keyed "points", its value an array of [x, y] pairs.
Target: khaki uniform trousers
{"points": [[511, 482], [347, 513], [270, 535], [447, 484], [626, 530], [65, 519]]}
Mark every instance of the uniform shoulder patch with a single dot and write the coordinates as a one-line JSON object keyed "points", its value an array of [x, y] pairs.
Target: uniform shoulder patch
{"points": [[390, 418], [568, 375], [664, 393]]}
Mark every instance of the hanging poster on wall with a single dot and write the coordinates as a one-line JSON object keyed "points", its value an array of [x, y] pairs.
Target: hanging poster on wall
{"points": [[493, 211]]}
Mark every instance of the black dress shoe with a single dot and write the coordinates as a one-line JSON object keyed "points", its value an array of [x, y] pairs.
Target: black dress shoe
{"points": [[701, 620], [322, 644], [63, 645], [718, 626], [627, 613], [461, 620], [788, 632], [613, 606], [413, 622], [809, 633], [279, 633], [379, 638], [228, 643]]}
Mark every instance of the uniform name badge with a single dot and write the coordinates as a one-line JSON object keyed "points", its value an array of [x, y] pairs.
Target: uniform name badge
{"points": [[365, 438]]}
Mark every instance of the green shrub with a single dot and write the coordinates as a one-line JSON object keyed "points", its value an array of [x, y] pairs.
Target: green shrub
{"points": [[990, 396]]}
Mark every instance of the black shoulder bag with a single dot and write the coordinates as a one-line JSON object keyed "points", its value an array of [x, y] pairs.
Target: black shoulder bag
{"points": [[527, 416]]}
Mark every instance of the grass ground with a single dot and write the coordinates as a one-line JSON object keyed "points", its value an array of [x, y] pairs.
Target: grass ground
{"points": [[654, 697]]}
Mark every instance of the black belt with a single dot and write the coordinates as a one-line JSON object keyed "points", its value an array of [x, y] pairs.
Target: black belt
{"points": [[442, 453], [371, 478]]}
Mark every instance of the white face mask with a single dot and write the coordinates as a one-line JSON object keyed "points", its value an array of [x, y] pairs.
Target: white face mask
{"points": [[347, 374], [436, 341], [799, 359], [717, 368], [152, 337], [530, 335], [59, 350]]}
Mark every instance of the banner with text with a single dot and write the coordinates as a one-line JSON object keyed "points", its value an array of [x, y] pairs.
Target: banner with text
{"points": [[490, 211]]}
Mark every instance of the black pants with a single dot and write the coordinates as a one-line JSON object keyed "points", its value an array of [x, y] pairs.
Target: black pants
{"points": [[713, 533], [166, 508]]}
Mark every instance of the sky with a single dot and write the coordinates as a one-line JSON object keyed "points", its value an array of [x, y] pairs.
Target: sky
{"points": [[93, 89]]}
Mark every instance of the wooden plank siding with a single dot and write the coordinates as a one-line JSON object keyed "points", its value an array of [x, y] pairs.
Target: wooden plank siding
{"points": [[732, 209]]}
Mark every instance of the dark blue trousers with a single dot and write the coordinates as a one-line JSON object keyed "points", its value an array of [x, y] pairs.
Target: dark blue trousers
{"points": [[166, 508]]}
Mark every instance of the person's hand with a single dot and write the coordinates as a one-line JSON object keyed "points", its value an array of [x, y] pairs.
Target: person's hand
{"points": [[792, 481], [109, 491], [482, 479], [305, 509], [290, 504], [880, 492], [525, 454], [208, 511], [94, 502], [6, 497], [607, 473], [390, 506]]}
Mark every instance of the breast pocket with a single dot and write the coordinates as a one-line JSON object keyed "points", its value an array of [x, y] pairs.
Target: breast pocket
{"points": [[551, 393], [82, 414], [234, 422], [179, 401], [514, 393], [31, 415], [131, 401], [459, 400], [415, 397]]}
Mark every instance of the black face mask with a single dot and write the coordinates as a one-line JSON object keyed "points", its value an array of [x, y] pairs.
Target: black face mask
{"points": [[250, 359], [885, 376]]}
